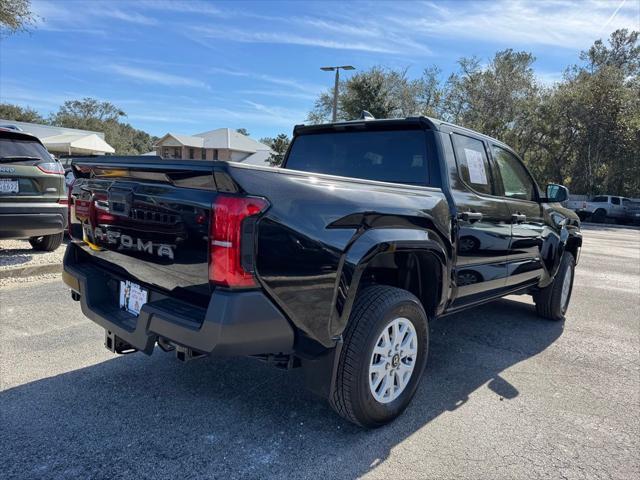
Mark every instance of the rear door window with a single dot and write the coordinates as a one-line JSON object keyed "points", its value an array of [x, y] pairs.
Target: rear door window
{"points": [[398, 156], [473, 164], [600, 200], [615, 200]]}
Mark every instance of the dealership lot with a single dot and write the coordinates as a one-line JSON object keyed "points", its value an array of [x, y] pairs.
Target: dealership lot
{"points": [[505, 395]]}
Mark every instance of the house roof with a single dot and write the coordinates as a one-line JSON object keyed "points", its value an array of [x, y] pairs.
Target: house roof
{"points": [[221, 138], [261, 157]]}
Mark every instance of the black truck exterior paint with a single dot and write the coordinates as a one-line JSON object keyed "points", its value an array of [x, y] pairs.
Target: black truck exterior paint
{"points": [[314, 251]]}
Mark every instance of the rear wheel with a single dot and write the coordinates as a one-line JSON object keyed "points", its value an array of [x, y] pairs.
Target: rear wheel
{"points": [[552, 301], [599, 216], [47, 243], [383, 356]]}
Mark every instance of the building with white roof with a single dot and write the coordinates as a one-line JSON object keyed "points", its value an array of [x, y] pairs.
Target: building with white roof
{"points": [[64, 141], [219, 144]]}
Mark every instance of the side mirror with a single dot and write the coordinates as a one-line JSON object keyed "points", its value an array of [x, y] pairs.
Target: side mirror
{"points": [[557, 193]]}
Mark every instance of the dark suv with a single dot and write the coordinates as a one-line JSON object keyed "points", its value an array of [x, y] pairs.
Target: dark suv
{"points": [[33, 201]]}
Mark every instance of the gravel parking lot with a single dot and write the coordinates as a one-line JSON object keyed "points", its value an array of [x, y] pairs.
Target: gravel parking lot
{"points": [[505, 395]]}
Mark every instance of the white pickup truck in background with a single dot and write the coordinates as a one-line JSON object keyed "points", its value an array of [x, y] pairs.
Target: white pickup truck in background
{"points": [[603, 207]]}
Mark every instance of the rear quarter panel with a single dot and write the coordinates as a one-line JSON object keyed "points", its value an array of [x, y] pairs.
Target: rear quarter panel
{"points": [[313, 221]]}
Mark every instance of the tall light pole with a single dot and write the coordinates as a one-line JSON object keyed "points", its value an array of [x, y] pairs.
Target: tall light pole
{"points": [[335, 88]]}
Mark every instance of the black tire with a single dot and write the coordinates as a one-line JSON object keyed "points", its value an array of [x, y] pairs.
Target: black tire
{"points": [[47, 243], [599, 216], [548, 300], [468, 244], [375, 307]]}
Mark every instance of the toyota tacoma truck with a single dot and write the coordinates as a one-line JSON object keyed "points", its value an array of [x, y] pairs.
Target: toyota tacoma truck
{"points": [[334, 263]]}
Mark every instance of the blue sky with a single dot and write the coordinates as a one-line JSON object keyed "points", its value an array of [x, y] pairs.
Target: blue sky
{"points": [[190, 66]]}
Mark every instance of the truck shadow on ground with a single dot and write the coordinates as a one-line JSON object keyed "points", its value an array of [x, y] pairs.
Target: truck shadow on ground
{"points": [[13, 257], [140, 417]]}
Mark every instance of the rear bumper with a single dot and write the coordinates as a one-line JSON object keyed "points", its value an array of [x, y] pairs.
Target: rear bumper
{"points": [[234, 323], [24, 220]]}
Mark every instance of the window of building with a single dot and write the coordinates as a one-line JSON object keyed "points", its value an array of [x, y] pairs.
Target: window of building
{"points": [[192, 153], [203, 152]]}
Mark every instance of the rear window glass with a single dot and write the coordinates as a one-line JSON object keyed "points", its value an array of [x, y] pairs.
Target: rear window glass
{"points": [[600, 200], [13, 147], [398, 156]]}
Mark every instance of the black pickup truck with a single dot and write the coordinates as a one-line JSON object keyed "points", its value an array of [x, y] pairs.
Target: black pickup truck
{"points": [[333, 263]]}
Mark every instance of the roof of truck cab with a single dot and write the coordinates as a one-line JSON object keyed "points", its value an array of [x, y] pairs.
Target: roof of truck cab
{"points": [[432, 123]]}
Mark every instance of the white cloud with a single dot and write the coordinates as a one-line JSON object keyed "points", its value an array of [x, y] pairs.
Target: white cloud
{"points": [[190, 6], [279, 93], [58, 17], [564, 24], [154, 76], [130, 17], [278, 37], [284, 82]]}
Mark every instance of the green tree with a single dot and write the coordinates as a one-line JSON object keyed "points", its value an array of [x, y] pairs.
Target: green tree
{"points": [[243, 131], [15, 16], [593, 138], [279, 146], [383, 92], [499, 100], [20, 114], [583, 131]]}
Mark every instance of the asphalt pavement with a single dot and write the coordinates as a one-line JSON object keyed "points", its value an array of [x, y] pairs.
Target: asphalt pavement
{"points": [[505, 395]]}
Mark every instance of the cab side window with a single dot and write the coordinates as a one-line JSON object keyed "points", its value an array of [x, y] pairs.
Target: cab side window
{"points": [[600, 200], [615, 200], [515, 179], [473, 164]]}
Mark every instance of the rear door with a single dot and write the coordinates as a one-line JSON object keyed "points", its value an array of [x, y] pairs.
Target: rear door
{"points": [[617, 209], [484, 223], [28, 174], [520, 194]]}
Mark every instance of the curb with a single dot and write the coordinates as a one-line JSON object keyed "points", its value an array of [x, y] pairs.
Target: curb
{"points": [[30, 271]]}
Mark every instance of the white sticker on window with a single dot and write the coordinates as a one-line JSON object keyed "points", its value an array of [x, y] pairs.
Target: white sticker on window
{"points": [[475, 164]]}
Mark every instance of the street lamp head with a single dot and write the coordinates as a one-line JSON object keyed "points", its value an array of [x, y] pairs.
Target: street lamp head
{"points": [[343, 67]]}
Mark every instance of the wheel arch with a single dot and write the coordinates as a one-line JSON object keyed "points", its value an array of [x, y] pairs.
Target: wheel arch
{"points": [[402, 258]]}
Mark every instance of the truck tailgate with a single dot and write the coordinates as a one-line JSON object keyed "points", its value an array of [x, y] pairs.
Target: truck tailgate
{"points": [[145, 220]]}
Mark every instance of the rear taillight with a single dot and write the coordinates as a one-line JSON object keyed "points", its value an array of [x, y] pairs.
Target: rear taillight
{"points": [[231, 239], [51, 167]]}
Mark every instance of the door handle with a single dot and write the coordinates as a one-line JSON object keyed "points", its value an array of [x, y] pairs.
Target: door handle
{"points": [[470, 217], [518, 218]]}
